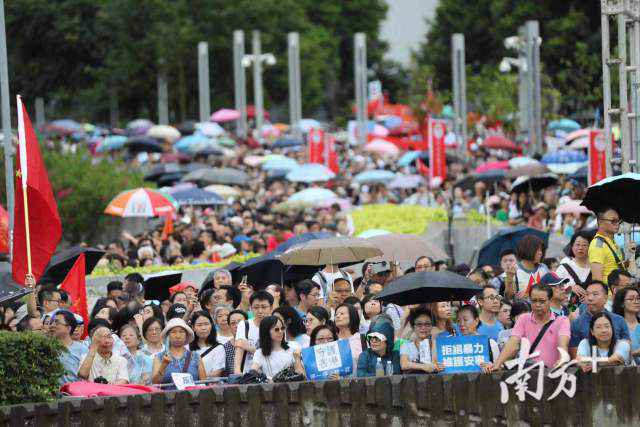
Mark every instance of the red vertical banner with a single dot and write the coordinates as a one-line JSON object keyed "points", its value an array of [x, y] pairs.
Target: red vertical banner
{"points": [[315, 144], [437, 149], [331, 157], [597, 157]]}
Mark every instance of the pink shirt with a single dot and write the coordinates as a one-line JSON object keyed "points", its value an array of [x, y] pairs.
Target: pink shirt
{"points": [[527, 327]]}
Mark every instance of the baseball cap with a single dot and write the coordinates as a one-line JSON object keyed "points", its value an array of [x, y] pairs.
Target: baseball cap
{"points": [[378, 335], [552, 279]]}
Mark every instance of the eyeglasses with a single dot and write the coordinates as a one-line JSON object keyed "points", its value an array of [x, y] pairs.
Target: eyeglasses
{"points": [[58, 322], [632, 299], [278, 329], [493, 298], [154, 330], [314, 294], [613, 221], [149, 302]]}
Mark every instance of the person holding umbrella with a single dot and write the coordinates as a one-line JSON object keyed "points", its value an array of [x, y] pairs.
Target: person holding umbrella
{"points": [[604, 254]]}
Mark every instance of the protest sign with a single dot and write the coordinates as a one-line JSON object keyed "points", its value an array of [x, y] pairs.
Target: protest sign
{"points": [[463, 353], [322, 360]]}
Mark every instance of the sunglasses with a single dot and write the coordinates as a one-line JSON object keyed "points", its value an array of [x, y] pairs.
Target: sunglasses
{"points": [[149, 302]]}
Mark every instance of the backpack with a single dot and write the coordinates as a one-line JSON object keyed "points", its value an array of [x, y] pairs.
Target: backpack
{"points": [[325, 284]]}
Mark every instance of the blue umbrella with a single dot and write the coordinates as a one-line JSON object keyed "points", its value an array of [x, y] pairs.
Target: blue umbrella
{"points": [[410, 156], [300, 239], [506, 238], [374, 176], [183, 145], [312, 195], [566, 125], [65, 126], [620, 192], [111, 142], [287, 142], [564, 156], [392, 122], [280, 164], [407, 181], [197, 196], [311, 172]]}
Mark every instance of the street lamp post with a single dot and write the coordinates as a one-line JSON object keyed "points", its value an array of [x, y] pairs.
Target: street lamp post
{"points": [[240, 91], [256, 59], [203, 81], [459, 90], [295, 90], [360, 70]]}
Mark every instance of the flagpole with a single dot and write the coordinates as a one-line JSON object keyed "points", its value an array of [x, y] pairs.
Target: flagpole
{"points": [[22, 139], [6, 126]]}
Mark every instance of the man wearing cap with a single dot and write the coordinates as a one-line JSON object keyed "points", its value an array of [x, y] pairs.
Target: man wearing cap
{"points": [[559, 298], [101, 361]]}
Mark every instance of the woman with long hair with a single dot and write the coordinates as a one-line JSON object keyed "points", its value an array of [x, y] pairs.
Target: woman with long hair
{"points": [[626, 303], [441, 319], [347, 322], [602, 337], [295, 326], [206, 344], [274, 353]]}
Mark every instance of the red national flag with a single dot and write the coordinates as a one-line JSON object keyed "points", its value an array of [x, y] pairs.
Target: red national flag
{"points": [[44, 226], [75, 285], [167, 229], [315, 142]]}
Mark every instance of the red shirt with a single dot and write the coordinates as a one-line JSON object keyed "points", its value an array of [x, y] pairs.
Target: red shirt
{"points": [[272, 242]]}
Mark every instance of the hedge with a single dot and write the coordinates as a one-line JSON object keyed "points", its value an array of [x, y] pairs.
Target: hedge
{"points": [[29, 367]]}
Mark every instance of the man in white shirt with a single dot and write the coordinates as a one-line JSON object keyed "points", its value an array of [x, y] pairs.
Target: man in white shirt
{"points": [[248, 341], [101, 362]]}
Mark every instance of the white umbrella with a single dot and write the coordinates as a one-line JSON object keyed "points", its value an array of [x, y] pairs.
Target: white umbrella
{"points": [[164, 132]]}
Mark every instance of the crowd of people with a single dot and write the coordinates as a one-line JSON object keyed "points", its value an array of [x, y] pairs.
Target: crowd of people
{"points": [[232, 332]]}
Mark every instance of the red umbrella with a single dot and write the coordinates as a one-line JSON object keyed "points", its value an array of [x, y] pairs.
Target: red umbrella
{"points": [[251, 112], [486, 167], [499, 142]]}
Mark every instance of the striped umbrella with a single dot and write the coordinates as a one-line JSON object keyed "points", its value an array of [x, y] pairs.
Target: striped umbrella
{"points": [[139, 202]]}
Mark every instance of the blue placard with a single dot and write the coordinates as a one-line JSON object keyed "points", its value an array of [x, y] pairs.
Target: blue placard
{"points": [[322, 360], [462, 353]]}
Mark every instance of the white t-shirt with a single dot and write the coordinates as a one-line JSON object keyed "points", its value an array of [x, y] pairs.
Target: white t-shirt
{"points": [[581, 272], [275, 362], [329, 279], [524, 277], [415, 354], [214, 360], [253, 338]]}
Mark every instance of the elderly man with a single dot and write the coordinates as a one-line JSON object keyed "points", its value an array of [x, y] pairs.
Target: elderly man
{"points": [[101, 362]]}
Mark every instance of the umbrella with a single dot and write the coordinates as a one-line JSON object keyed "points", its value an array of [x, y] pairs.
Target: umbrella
{"points": [[564, 156], [156, 286], [489, 177], [300, 239], [485, 167], [111, 142], [225, 115], [618, 192], [391, 122], [572, 207], [407, 181], [382, 147], [311, 172], [162, 169], [372, 233], [506, 238], [531, 169], [581, 174], [518, 162], [282, 164], [312, 196], [253, 161], [405, 247], [178, 187], [428, 286], [165, 132], [266, 269], [223, 191], [578, 134], [306, 125], [143, 144], [375, 129], [227, 141], [169, 178], [335, 250], [187, 127], [225, 176], [287, 142], [409, 157], [10, 291], [197, 196], [140, 202], [209, 129], [64, 126], [524, 184], [62, 262], [374, 176], [566, 125], [186, 143], [139, 123], [499, 142]]}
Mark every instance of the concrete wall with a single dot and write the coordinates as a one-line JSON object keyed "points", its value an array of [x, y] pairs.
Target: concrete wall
{"points": [[608, 398]]}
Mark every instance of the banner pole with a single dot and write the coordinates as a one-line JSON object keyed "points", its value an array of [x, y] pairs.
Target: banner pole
{"points": [[22, 141], [26, 227]]}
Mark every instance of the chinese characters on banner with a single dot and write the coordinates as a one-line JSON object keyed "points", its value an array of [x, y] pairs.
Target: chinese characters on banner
{"points": [[315, 145], [437, 149], [597, 157], [323, 360], [463, 353]]}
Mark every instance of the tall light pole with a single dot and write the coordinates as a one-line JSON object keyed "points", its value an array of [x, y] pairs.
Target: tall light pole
{"points": [[459, 90], [295, 90], [360, 77], [163, 94], [6, 124], [204, 91], [256, 59], [240, 90], [534, 41]]}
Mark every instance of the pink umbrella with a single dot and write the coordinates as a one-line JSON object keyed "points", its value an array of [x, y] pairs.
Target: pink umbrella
{"points": [[225, 115], [379, 130], [486, 167], [577, 134], [572, 207], [382, 147], [579, 143]]}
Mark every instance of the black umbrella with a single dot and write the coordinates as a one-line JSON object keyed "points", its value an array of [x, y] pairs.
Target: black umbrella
{"points": [[162, 169], [267, 269], [156, 286], [506, 238], [524, 184], [489, 177], [10, 291], [62, 262], [428, 286], [620, 192], [143, 143], [580, 175]]}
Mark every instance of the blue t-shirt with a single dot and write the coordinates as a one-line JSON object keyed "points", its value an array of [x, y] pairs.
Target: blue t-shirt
{"points": [[580, 327], [491, 331], [635, 342], [70, 359]]}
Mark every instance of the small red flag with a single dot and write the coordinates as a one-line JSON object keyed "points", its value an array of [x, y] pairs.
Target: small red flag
{"points": [[167, 229], [75, 285], [45, 228]]}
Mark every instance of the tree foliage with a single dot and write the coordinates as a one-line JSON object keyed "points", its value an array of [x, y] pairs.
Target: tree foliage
{"points": [[77, 53]]}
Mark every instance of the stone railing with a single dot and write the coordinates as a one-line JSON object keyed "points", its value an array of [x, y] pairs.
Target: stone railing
{"points": [[608, 398]]}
